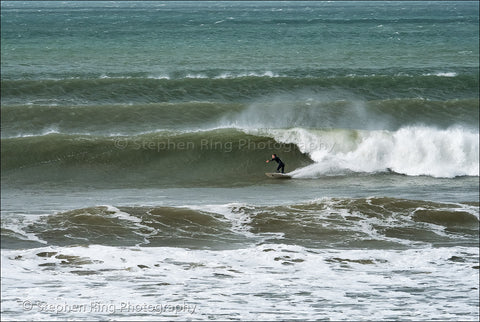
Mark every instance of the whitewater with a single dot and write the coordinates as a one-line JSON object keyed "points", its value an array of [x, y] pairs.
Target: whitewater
{"points": [[411, 151]]}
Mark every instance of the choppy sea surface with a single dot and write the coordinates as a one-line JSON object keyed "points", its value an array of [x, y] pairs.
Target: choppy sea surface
{"points": [[133, 144]]}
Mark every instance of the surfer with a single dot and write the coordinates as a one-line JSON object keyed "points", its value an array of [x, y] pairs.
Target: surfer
{"points": [[281, 165]]}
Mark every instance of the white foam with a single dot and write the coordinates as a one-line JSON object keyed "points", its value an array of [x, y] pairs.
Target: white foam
{"points": [[45, 132], [104, 76], [233, 213], [162, 76], [413, 150], [196, 76], [17, 224], [117, 213], [230, 75], [442, 74], [265, 282]]}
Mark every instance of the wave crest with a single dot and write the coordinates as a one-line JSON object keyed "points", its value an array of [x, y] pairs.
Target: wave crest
{"points": [[412, 150]]}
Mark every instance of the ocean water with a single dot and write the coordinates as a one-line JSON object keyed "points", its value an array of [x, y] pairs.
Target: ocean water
{"points": [[133, 144]]}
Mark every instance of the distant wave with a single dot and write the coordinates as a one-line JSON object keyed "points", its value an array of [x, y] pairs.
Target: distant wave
{"points": [[237, 86], [297, 109]]}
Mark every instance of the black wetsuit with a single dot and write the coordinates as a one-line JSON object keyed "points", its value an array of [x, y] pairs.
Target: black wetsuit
{"points": [[281, 165]]}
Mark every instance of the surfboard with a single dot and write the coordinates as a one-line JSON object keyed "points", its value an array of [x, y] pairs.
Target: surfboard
{"points": [[277, 175]]}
